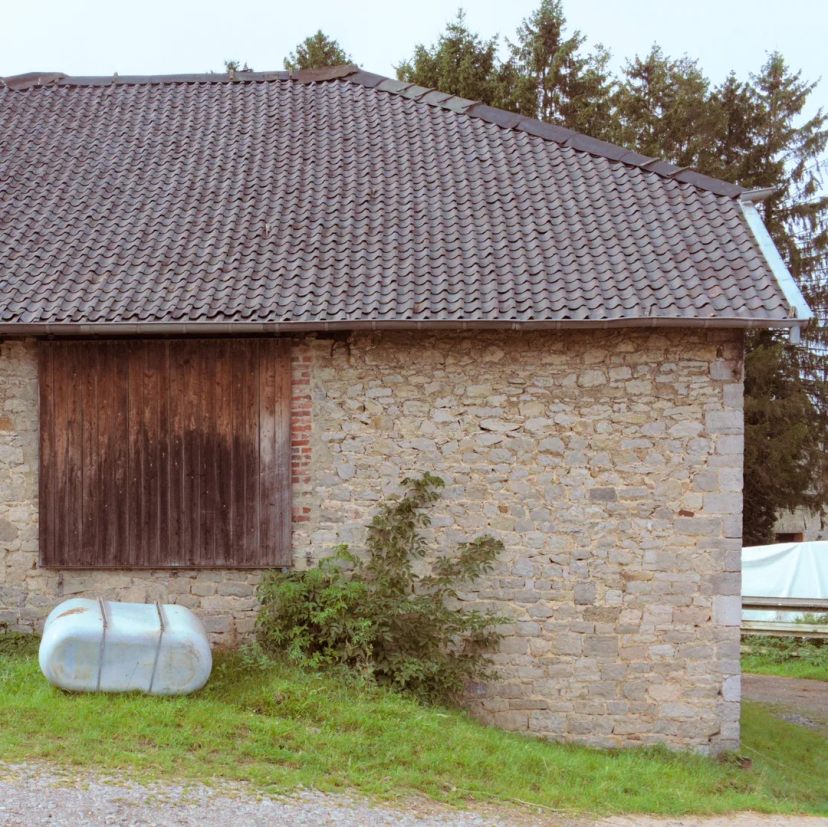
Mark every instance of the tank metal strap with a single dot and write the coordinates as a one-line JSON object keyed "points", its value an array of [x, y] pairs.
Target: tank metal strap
{"points": [[103, 641], [161, 628]]}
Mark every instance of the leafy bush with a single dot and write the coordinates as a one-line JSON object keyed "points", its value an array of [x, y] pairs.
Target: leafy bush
{"points": [[375, 614], [780, 650], [812, 617]]}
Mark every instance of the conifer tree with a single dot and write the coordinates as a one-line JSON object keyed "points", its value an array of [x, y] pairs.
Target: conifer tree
{"points": [[459, 63], [784, 446], [664, 108], [788, 157], [791, 159], [236, 66], [558, 82], [732, 145], [316, 51]]}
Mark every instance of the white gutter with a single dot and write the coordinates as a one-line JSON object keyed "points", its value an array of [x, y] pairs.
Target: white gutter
{"points": [[798, 306]]}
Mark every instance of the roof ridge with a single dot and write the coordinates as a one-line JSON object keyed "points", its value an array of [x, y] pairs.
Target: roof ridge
{"points": [[421, 94], [19, 83]]}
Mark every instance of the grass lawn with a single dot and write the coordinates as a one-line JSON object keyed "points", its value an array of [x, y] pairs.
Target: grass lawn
{"points": [[788, 669], [786, 657], [281, 727]]}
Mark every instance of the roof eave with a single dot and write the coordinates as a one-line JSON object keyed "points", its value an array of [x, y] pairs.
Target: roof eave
{"points": [[25, 330]]}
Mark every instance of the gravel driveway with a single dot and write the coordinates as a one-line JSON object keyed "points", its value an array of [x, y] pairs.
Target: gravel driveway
{"points": [[38, 796], [800, 701]]}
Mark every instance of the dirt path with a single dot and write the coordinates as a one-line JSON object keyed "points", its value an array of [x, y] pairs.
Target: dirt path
{"points": [[797, 700], [41, 796]]}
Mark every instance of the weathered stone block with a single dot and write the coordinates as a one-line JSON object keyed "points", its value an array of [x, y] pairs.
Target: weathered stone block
{"points": [[235, 589], [585, 593], [724, 422], [8, 531], [605, 645], [513, 720], [731, 445], [716, 503], [608, 495], [217, 624], [732, 688], [727, 610], [698, 526]]}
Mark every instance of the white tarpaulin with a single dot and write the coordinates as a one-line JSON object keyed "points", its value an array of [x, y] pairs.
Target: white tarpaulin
{"points": [[784, 570]]}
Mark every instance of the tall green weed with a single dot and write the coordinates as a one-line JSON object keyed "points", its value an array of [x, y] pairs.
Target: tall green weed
{"points": [[375, 615]]}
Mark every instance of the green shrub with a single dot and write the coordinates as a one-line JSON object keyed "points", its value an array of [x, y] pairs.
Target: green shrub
{"points": [[811, 617], [780, 650], [373, 613]]}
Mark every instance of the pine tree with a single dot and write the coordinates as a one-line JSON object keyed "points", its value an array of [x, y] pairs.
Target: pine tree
{"points": [[732, 145], [317, 51], [791, 159], [559, 84], [459, 63], [782, 446], [664, 108], [591, 109]]}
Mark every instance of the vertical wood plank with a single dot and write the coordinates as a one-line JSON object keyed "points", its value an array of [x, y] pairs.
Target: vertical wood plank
{"points": [[47, 474], [250, 453], [119, 448], [164, 549], [267, 451], [207, 553], [135, 477], [74, 453], [104, 478], [237, 502], [149, 441], [175, 475], [223, 442], [189, 500], [60, 414], [87, 376], [198, 450]]}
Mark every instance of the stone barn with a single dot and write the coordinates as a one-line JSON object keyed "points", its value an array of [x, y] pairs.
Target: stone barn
{"points": [[238, 309]]}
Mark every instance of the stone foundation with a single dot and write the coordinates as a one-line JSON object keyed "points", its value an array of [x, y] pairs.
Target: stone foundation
{"points": [[609, 464]]}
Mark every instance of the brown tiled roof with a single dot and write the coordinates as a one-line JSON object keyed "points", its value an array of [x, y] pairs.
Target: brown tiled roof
{"points": [[339, 197]]}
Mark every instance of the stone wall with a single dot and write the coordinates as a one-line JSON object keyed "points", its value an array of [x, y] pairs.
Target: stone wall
{"points": [[609, 463]]}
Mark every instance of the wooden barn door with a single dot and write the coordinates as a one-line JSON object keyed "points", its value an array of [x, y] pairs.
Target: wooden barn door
{"points": [[162, 454]]}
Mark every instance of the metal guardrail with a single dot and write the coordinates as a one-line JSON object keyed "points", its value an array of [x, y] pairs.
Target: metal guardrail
{"points": [[787, 604], [777, 628]]}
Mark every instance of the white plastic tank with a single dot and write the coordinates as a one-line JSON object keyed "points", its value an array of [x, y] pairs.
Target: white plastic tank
{"points": [[105, 646]]}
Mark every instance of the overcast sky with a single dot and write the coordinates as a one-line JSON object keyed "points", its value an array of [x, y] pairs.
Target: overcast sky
{"points": [[98, 37]]}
